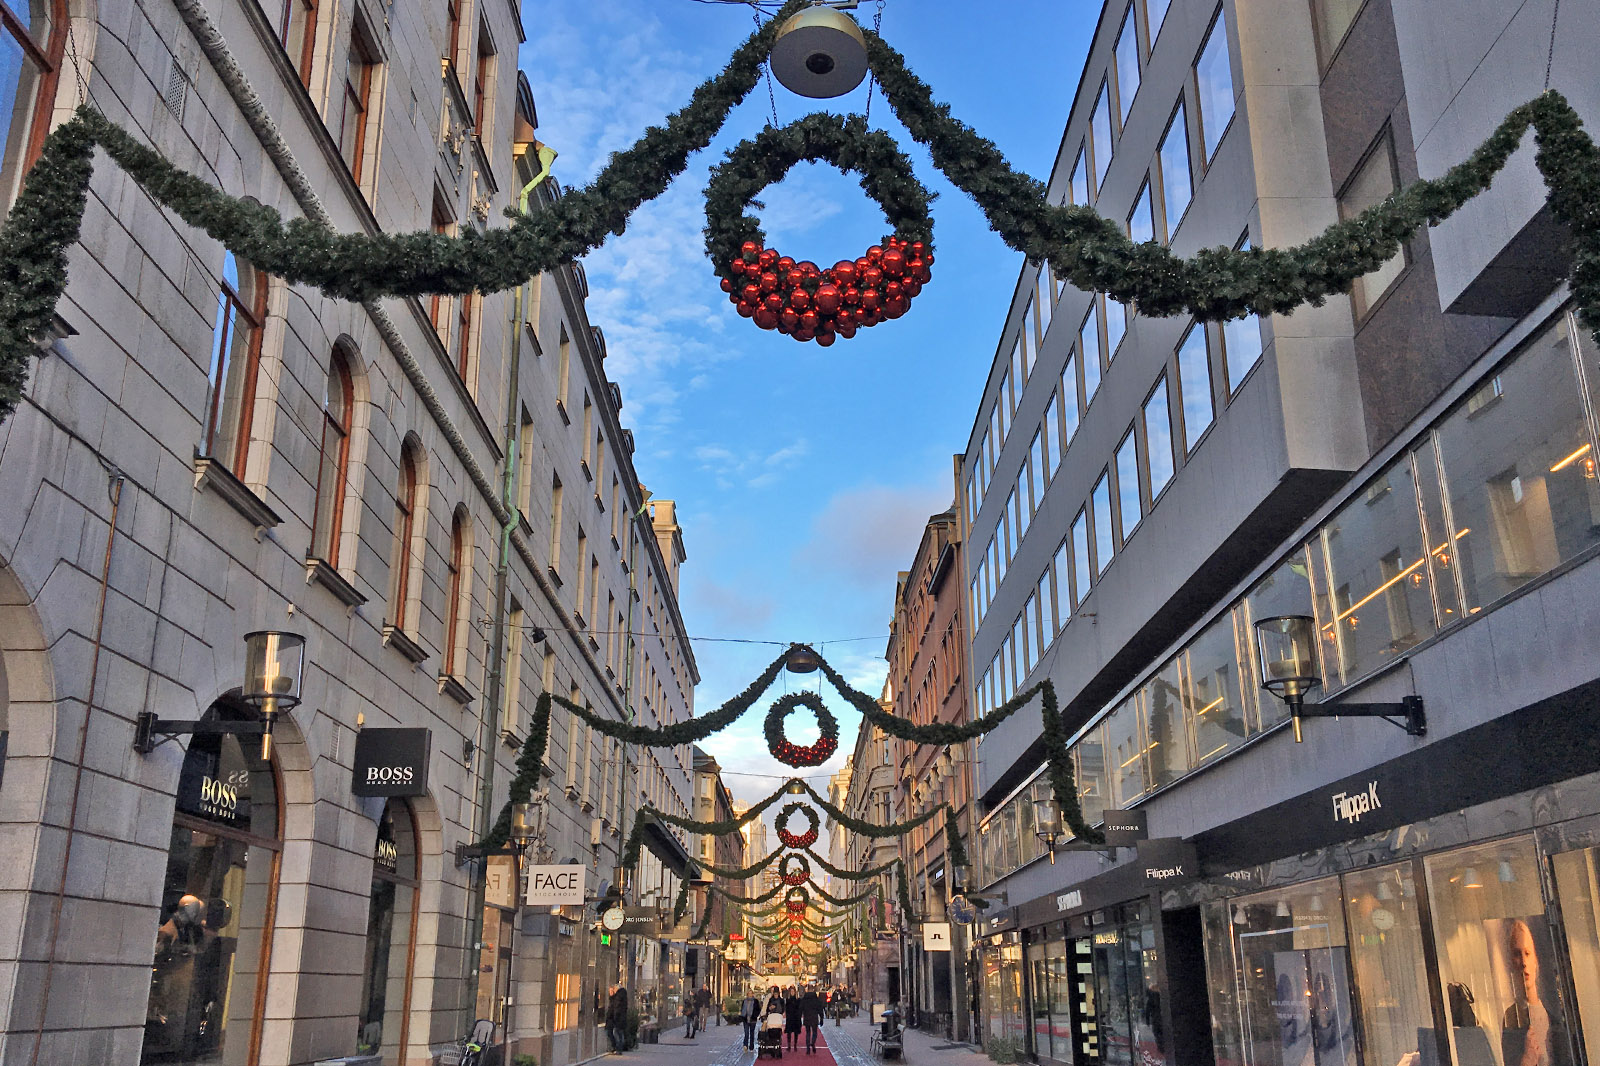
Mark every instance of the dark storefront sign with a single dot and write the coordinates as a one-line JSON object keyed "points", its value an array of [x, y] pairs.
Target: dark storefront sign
{"points": [[1547, 742], [1125, 828], [1163, 862], [214, 784], [391, 762], [641, 921]]}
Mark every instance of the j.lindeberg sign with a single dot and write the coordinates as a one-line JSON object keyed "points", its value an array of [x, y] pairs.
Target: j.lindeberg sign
{"points": [[391, 762], [553, 886]]}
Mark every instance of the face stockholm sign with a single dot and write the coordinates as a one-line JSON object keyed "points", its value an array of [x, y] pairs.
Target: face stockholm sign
{"points": [[391, 762], [553, 886]]}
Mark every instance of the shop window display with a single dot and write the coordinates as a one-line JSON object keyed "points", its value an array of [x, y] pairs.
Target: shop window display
{"points": [[212, 929], [1384, 921], [1497, 957], [1578, 884], [1126, 987], [390, 913]]}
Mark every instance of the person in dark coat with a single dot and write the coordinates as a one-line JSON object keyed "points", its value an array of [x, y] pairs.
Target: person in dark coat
{"points": [[617, 1019], [750, 1015], [811, 1016], [791, 1018]]}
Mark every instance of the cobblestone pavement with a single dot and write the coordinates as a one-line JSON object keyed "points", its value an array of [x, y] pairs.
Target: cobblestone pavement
{"points": [[851, 1040]]}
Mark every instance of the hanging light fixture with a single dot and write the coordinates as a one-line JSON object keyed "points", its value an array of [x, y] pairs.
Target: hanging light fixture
{"points": [[1047, 824], [1470, 878], [1507, 874], [274, 665], [1385, 893], [1283, 909], [1239, 916], [801, 659], [820, 53]]}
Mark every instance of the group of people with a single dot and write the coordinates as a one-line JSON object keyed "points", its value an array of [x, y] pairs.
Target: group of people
{"points": [[791, 1012], [695, 1005]]}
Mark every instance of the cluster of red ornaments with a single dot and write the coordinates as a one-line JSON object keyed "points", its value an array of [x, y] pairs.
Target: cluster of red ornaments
{"points": [[797, 840], [807, 304], [806, 754]]}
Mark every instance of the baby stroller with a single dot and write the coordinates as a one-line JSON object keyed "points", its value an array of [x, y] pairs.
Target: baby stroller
{"points": [[770, 1040]]}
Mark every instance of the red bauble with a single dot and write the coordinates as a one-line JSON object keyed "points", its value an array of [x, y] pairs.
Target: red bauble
{"points": [[847, 330], [871, 278], [727, 284], [896, 307], [917, 248], [911, 286], [875, 253], [804, 334], [825, 337], [844, 317], [785, 264], [808, 321], [788, 318], [800, 299], [766, 318], [772, 302], [892, 289], [750, 293], [828, 298], [745, 310], [808, 268], [923, 274], [894, 262], [769, 281], [792, 278], [749, 249], [870, 299], [767, 258], [852, 295], [844, 272]]}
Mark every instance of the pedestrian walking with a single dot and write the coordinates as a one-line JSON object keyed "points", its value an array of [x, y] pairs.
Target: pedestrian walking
{"points": [[702, 1006], [791, 1018], [688, 1017], [617, 1019], [750, 1015], [811, 1016]]}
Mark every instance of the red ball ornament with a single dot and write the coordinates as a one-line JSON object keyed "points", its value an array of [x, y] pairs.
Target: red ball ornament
{"points": [[825, 337], [750, 293], [792, 278], [894, 262], [808, 268], [875, 253], [785, 264], [852, 295], [767, 258], [828, 298], [918, 247], [745, 310], [788, 319], [772, 302], [911, 286], [808, 320], [804, 334], [847, 330], [870, 299], [871, 277], [922, 274], [896, 307], [749, 249], [892, 289], [844, 272], [769, 281], [727, 284], [800, 299], [766, 318]]}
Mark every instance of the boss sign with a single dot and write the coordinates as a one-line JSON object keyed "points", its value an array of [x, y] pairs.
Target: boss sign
{"points": [[554, 886]]}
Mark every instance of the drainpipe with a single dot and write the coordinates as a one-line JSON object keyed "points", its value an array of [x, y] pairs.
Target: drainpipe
{"points": [[493, 696]]}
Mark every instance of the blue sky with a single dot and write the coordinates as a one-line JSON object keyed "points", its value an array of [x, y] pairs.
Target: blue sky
{"points": [[803, 475]]}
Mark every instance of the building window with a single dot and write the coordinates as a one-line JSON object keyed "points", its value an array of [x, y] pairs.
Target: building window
{"points": [[1100, 136], [356, 106], [403, 556], [1037, 470], [1141, 220], [511, 694], [1241, 341], [441, 308], [1127, 64], [389, 949], [1069, 405], [483, 87], [1214, 86], [467, 339], [525, 464], [1104, 543], [563, 368], [333, 461], [1177, 186], [1116, 326], [235, 357], [1130, 505], [1331, 21], [1375, 178], [458, 568], [1194, 386], [1156, 15], [1047, 300], [1089, 350], [214, 923], [297, 32], [1061, 575], [1080, 179], [35, 33], [1158, 438], [555, 522]]}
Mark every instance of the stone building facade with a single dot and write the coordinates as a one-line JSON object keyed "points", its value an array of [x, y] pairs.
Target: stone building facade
{"points": [[438, 495]]}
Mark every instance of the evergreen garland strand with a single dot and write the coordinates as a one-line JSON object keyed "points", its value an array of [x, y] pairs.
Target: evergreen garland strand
{"points": [[851, 875], [530, 765], [933, 732], [870, 829], [1063, 783], [690, 731]]}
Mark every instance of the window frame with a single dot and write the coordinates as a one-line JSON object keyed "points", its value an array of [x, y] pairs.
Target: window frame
{"points": [[47, 59], [458, 571], [1161, 384], [1361, 307], [338, 363], [1209, 155], [1211, 395], [405, 506], [363, 49], [230, 306], [1177, 120], [1130, 23]]}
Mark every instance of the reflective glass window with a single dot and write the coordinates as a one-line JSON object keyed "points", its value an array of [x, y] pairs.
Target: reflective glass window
{"points": [[1158, 437], [1214, 691], [1104, 544], [1141, 222], [1194, 386], [1100, 136], [1128, 63], [1089, 351], [1177, 186], [1130, 508], [1214, 86]]}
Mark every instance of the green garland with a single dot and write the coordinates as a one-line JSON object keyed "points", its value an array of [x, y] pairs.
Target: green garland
{"points": [[749, 901], [797, 840], [933, 732], [904, 894], [846, 901], [691, 731], [742, 873], [851, 875], [1058, 763], [802, 875], [799, 755], [847, 143], [630, 851], [530, 766], [868, 829]]}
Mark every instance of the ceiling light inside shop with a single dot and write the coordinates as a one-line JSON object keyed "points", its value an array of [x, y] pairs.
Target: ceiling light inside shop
{"points": [[1470, 879], [1507, 874]]}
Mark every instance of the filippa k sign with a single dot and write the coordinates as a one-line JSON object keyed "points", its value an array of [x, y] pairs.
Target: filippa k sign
{"points": [[555, 886]]}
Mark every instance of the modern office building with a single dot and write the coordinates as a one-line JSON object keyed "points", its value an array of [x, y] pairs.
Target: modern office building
{"points": [[438, 496], [1402, 479]]}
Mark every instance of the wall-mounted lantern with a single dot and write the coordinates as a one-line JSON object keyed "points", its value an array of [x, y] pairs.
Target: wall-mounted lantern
{"points": [[274, 666], [1287, 649]]}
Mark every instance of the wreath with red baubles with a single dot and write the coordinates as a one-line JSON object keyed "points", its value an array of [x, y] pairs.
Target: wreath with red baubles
{"points": [[794, 877], [797, 840], [798, 755], [799, 299]]}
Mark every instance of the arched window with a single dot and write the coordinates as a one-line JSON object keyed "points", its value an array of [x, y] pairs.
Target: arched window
{"points": [[235, 360], [297, 32], [213, 929], [332, 461], [459, 568], [33, 34], [391, 932], [405, 511]]}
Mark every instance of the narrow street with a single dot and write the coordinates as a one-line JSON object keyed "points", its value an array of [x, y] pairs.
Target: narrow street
{"points": [[845, 1044]]}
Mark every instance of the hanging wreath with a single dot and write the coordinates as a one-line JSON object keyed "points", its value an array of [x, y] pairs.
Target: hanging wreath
{"points": [[798, 840], [797, 896], [798, 298], [797, 876], [791, 754]]}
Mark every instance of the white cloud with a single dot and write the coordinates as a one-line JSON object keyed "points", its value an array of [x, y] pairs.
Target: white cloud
{"points": [[870, 533]]}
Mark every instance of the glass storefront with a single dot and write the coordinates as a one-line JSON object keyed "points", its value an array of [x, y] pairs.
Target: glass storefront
{"points": [[211, 935], [391, 914], [1002, 990], [1487, 955]]}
